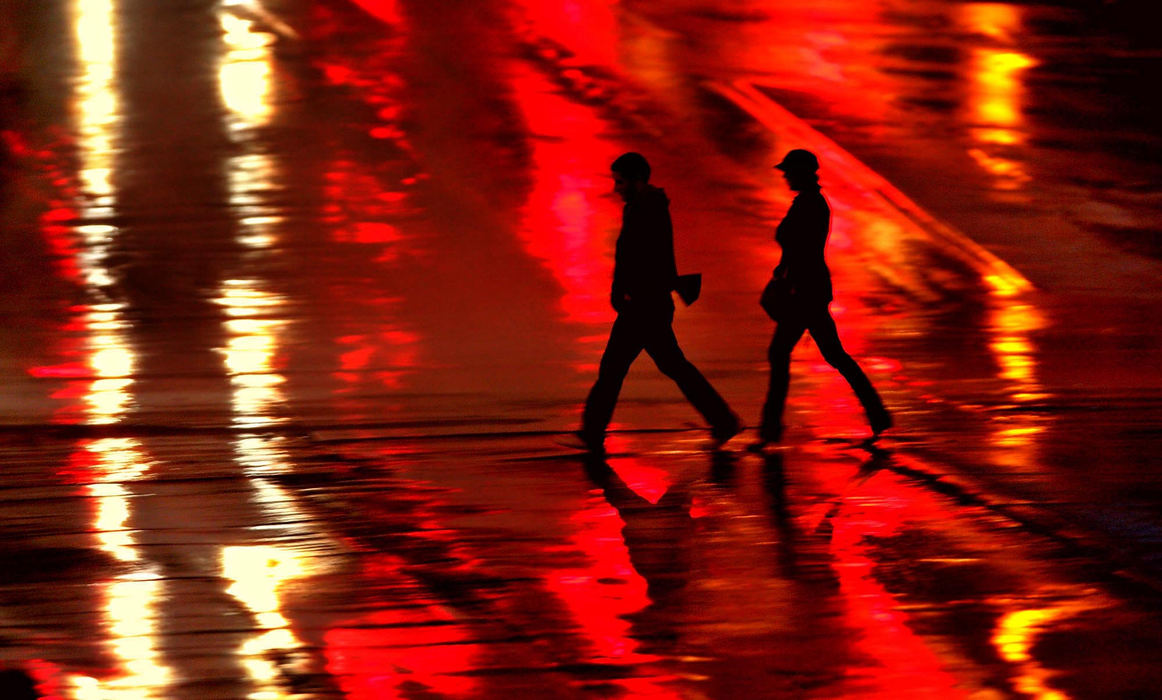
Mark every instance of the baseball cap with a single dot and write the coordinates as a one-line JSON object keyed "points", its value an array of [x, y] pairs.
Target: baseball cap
{"points": [[799, 160]]}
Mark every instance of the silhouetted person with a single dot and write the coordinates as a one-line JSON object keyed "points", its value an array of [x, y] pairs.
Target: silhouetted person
{"points": [[802, 235], [644, 274], [17, 685]]}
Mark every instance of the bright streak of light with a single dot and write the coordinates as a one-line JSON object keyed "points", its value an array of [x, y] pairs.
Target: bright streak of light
{"points": [[130, 613], [118, 460], [112, 362], [251, 350], [132, 598], [1017, 632], [1011, 326], [254, 319], [257, 573], [133, 621], [245, 81], [244, 75], [996, 90], [97, 100], [997, 85]]}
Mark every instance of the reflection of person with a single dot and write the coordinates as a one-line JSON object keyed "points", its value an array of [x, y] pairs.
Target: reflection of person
{"points": [[644, 274], [802, 235], [657, 535]]}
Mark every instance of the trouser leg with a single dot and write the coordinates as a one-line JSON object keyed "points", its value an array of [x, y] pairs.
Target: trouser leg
{"points": [[826, 336], [662, 346], [787, 335], [625, 344]]}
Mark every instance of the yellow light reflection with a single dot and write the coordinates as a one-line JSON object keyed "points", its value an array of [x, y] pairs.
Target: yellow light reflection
{"points": [[253, 318], [112, 362], [250, 352], [995, 20], [118, 460], [1012, 323], [244, 75], [997, 84], [996, 91], [1017, 632], [130, 613], [257, 573], [132, 598], [97, 102]]}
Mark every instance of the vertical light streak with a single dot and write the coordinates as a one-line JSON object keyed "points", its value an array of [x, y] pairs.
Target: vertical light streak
{"points": [[1011, 325], [996, 92], [561, 227], [97, 99], [257, 573], [131, 599], [254, 326]]}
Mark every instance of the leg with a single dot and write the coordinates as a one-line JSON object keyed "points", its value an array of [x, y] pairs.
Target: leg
{"points": [[662, 346], [823, 330], [787, 335], [625, 344]]}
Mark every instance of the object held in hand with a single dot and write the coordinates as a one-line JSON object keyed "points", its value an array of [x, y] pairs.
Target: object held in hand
{"points": [[689, 287]]}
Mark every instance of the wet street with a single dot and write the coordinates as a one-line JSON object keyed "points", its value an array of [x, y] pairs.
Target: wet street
{"points": [[301, 300]]}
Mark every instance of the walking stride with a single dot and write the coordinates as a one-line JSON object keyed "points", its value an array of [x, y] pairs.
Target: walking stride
{"points": [[798, 296], [644, 275]]}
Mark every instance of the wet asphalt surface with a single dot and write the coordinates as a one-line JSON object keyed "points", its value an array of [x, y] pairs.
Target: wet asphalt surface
{"points": [[301, 299]]}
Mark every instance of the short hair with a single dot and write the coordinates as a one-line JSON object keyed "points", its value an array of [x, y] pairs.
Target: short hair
{"points": [[633, 166]]}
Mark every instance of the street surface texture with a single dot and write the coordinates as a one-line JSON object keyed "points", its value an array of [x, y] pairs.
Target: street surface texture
{"points": [[302, 297]]}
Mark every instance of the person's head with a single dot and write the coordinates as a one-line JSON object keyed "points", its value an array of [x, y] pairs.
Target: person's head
{"points": [[631, 173], [800, 168]]}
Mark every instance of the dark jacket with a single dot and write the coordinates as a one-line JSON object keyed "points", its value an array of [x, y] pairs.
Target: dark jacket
{"points": [[802, 235], [644, 267]]}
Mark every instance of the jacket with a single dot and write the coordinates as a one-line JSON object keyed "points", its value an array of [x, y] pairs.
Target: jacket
{"points": [[802, 234], [644, 266]]}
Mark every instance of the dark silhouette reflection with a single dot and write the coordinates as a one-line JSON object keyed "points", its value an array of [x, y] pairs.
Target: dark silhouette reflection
{"points": [[775, 484], [803, 544], [804, 293], [644, 275], [877, 459], [723, 467], [657, 537]]}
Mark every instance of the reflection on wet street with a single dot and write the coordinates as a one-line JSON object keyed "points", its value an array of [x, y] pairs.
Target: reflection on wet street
{"points": [[302, 297]]}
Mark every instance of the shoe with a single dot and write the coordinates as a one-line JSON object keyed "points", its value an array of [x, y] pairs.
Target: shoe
{"points": [[722, 435], [766, 439], [594, 442], [759, 446], [880, 421]]}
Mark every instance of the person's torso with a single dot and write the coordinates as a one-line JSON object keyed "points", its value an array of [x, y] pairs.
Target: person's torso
{"points": [[802, 235]]}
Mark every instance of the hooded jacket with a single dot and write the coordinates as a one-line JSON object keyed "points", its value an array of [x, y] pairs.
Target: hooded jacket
{"points": [[644, 268]]}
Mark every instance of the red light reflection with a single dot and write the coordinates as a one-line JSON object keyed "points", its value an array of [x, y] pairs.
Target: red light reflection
{"points": [[395, 652], [906, 664], [566, 224]]}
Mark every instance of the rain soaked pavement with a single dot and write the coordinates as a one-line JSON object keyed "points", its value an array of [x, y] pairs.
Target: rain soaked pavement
{"points": [[301, 296]]}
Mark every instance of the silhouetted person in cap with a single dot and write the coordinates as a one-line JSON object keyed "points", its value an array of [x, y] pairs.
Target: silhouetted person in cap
{"points": [[644, 274], [806, 282]]}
